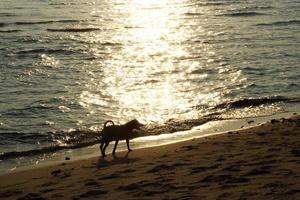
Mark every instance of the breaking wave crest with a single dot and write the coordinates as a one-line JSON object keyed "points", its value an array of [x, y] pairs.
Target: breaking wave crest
{"points": [[250, 102]]}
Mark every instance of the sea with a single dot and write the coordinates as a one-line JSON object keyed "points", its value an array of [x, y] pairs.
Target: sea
{"points": [[67, 66]]}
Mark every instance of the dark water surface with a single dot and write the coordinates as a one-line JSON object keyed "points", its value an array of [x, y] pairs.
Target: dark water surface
{"points": [[68, 65]]}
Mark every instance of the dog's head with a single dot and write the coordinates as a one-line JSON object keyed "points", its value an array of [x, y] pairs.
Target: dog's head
{"points": [[134, 124]]}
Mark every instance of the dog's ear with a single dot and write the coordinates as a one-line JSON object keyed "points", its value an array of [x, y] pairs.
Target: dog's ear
{"points": [[133, 124], [138, 124]]}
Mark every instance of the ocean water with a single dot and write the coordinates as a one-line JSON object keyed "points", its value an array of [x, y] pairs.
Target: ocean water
{"points": [[66, 66]]}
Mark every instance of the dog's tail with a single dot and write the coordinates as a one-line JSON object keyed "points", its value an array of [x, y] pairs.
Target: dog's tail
{"points": [[99, 136], [108, 121]]}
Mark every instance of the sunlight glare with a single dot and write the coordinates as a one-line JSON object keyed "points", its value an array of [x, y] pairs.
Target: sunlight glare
{"points": [[152, 76]]}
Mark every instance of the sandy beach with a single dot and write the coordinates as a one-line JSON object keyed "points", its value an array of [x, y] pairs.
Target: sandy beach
{"points": [[257, 163]]}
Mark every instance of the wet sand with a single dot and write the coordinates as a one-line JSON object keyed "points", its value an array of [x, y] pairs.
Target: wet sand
{"points": [[258, 163]]}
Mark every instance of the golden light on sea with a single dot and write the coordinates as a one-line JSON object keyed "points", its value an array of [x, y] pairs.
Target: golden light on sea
{"points": [[153, 75], [141, 75]]}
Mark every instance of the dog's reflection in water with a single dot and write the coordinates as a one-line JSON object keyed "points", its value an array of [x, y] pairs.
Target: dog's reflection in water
{"points": [[122, 159]]}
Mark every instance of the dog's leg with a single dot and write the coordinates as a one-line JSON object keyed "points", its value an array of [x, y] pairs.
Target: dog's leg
{"points": [[115, 147], [127, 142], [103, 149]]}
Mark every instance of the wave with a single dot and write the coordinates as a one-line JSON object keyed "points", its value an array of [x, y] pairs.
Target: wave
{"points": [[293, 86], [43, 50], [73, 29], [259, 7], [193, 14], [45, 22], [242, 14], [57, 4], [26, 111], [24, 23], [21, 137], [9, 31], [60, 141], [49, 22], [250, 102], [7, 15], [281, 23], [110, 44], [213, 3], [33, 152]]}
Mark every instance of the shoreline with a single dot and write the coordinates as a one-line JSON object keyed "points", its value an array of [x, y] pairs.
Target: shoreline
{"points": [[254, 163], [205, 130]]}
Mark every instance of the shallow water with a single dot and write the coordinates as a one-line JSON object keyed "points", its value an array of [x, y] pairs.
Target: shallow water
{"points": [[68, 65]]}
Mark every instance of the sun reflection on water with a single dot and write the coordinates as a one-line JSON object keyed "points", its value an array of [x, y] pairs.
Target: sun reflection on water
{"points": [[148, 78], [153, 76]]}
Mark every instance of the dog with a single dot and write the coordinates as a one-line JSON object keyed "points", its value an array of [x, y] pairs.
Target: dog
{"points": [[118, 132]]}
